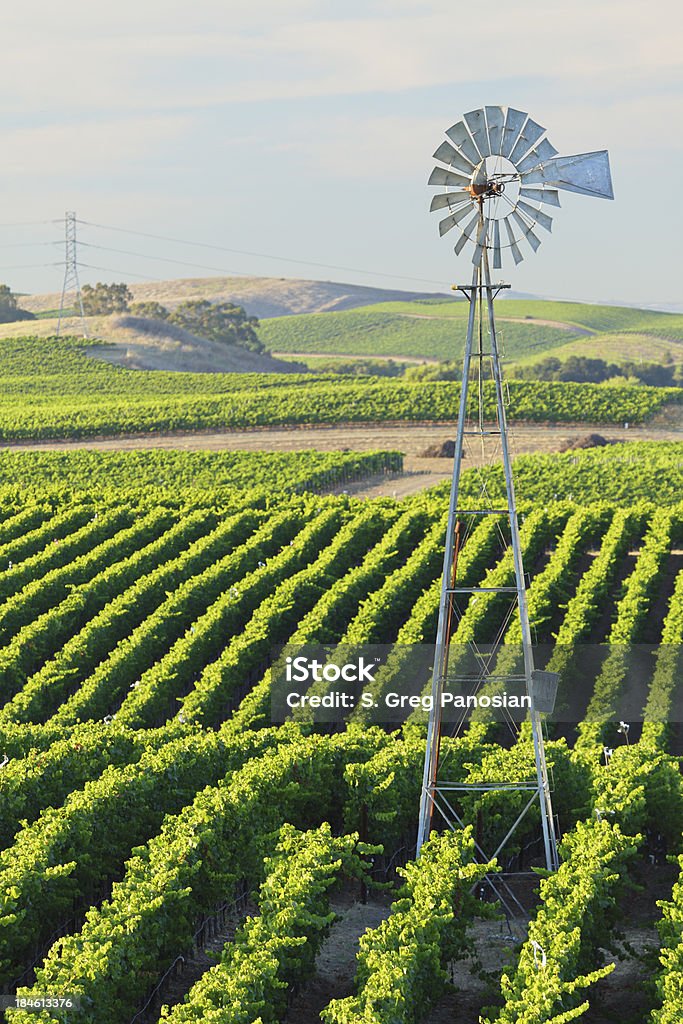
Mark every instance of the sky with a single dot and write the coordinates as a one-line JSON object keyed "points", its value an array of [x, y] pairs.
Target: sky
{"points": [[299, 136]]}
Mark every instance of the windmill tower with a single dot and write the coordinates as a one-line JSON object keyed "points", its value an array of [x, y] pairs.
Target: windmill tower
{"points": [[499, 170]]}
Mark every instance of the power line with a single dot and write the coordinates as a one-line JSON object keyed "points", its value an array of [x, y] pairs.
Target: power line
{"points": [[30, 223], [19, 245], [29, 266], [162, 259], [261, 255], [113, 270]]}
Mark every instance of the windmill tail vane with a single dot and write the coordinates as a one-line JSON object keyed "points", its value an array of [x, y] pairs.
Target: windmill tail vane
{"points": [[498, 166]]}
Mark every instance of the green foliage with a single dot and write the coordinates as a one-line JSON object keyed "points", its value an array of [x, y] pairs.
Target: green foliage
{"points": [[586, 370], [437, 328], [667, 673], [105, 298], [434, 371], [276, 618], [640, 788], [585, 315], [51, 389], [357, 367], [670, 978], [139, 609], [218, 321], [401, 963], [631, 618], [9, 308], [176, 476], [70, 850], [622, 474], [197, 858], [201, 657], [139, 623], [577, 907], [43, 778], [149, 310], [276, 950]]}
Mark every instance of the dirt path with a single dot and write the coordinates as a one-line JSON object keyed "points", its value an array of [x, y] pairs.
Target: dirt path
{"points": [[559, 324], [406, 437], [356, 355], [335, 965], [412, 439]]}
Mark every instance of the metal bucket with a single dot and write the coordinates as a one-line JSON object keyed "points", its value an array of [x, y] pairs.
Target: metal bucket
{"points": [[544, 690]]}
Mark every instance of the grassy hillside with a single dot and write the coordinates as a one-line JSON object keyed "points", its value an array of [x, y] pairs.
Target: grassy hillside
{"points": [[529, 330], [379, 331]]}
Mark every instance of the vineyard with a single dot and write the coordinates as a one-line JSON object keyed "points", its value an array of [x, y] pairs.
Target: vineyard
{"points": [[51, 388], [200, 478], [150, 806], [435, 328]]}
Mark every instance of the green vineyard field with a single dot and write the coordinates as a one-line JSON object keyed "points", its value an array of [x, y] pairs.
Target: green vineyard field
{"points": [[436, 329], [147, 798], [53, 389]]}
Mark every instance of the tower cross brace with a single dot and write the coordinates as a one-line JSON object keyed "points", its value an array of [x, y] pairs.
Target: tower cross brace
{"points": [[438, 793]]}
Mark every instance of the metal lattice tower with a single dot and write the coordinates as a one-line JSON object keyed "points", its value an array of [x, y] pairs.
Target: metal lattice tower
{"points": [[71, 281], [500, 170]]}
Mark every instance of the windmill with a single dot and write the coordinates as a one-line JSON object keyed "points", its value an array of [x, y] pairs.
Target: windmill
{"points": [[500, 171]]}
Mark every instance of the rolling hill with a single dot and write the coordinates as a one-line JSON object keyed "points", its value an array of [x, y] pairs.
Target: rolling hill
{"points": [[435, 329], [317, 318]]}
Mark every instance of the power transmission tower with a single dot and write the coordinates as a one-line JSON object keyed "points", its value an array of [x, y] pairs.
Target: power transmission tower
{"points": [[71, 281]]}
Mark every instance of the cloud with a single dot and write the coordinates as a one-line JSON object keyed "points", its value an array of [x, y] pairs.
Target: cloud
{"points": [[88, 147], [173, 57]]}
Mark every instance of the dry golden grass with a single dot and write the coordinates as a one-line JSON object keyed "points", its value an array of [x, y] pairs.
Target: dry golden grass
{"points": [[260, 296], [141, 351]]}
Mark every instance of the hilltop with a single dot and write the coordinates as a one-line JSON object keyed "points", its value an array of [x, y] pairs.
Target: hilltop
{"points": [[260, 296]]}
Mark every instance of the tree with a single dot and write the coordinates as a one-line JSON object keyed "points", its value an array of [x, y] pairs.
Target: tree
{"points": [[105, 298], [218, 321], [9, 310], [150, 310]]}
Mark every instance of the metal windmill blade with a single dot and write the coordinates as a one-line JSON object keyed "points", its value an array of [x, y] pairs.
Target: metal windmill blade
{"points": [[448, 155], [440, 177], [530, 133], [514, 248], [535, 214], [499, 163], [543, 151], [447, 200], [541, 195], [449, 222], [495, 122], [462, 140], [476, 122], [468, 234], [497, 257], [514, 122]]}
